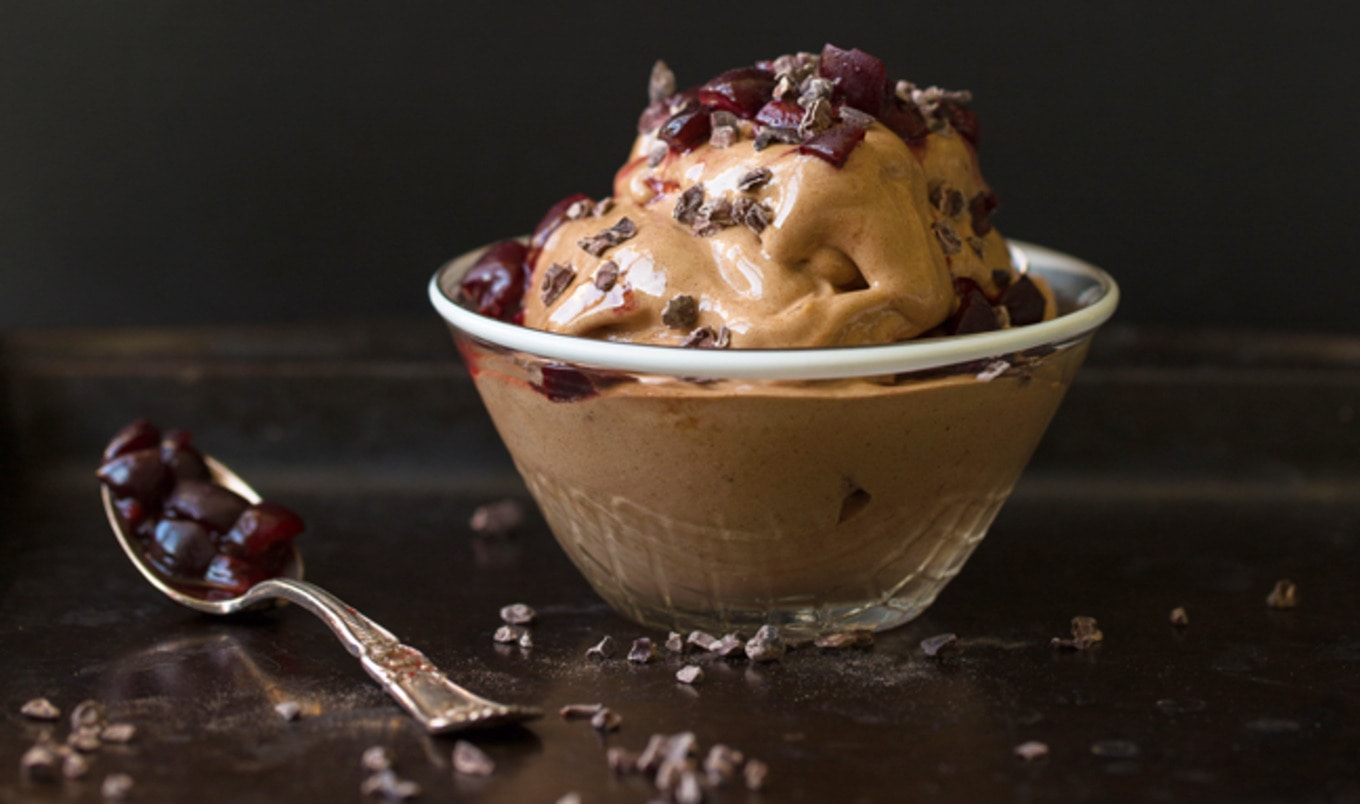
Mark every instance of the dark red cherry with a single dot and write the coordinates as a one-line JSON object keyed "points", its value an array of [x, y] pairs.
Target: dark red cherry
{"points": [[903, 119], [552, 219], [741, 91], [1024, 302], [494, 285], [780, 113], [138, 435], [834, 145], [564, 384], [180, 457], [140, 475], [980, 209], [235, 575], [686, 131], [963, 120], [210, 505], [861, 79], [975, 313], [261, 530], [181, 547]]}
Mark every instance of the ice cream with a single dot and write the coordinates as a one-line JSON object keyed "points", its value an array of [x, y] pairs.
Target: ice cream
{"points": [[805, 201]]}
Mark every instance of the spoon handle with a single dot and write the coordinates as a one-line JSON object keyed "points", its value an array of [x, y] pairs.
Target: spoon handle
{"points": [[401, 670]]}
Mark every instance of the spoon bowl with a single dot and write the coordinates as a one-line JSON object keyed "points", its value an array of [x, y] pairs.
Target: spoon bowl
{"points": [[404, 672]]}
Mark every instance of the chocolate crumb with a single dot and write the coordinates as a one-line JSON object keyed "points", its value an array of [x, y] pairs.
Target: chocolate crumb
{"points": [[688, 790], [606, 276], [85, 739], [712, 217], [856, 638], [518, 614], [389, 786], [729, 645], [575, 711], [755, 774], [675, 643], [661, 84], [556, 280], [767, 645], [687, 205], [596, 245], [721, 763], [116, 786], [817, 88], [816, 117], [757, 218], [754, 179], [652, 755], [772, 134], [603, 206], [1179, 617], [39, 764], [946, 199], [690, 674], [621, 760], [724, 131], [1085, 634], [470, 760], [579, 209], [681, 312], [376, 759], [604, 649], [932, 646], [508, 634], [949, 239], [497, 518], [74, 766], [40, 709], [855, 118], [288, 710], [1031, 750], [785, 87], [701, 639], [118, 733], [642, 651], [606, 720], [1285, 595], [705, 338], [977, 244], [88, 714], [526, 640]]}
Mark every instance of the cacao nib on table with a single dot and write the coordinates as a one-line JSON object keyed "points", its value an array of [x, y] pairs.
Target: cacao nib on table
{"points": [[201, 535]]}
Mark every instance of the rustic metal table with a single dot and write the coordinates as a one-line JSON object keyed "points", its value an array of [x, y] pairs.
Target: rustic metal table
{"points": [[1185, 469]]}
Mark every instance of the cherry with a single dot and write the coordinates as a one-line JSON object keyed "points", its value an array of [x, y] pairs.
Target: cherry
{"points": [[494, 285], [552, 219], [980, 209], [234, 575], [140, 475], [687, 130], [834, 145], [903, 119], [861, 79], [741, 91], [181, 547], [1024, 302], [180, 457], [210, 505], [262, 530], [975, 313], [963, 120], [139, 435], [784, 114], [563, 383]]}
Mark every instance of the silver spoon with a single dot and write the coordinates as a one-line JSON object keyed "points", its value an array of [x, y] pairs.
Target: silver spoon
{"points": [[419, 686]]}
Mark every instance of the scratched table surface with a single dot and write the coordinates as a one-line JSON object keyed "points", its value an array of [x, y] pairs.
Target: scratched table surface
{"points": [[1185, 469]]}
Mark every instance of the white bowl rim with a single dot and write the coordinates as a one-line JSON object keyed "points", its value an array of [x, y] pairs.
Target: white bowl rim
{"points": [[795, 364]]}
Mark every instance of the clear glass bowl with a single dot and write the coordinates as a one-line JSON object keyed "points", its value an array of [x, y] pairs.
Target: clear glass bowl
{"points": [[821, 490]]}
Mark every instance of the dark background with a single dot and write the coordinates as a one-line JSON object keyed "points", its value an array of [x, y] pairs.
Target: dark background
{"points": [[173, 163]]}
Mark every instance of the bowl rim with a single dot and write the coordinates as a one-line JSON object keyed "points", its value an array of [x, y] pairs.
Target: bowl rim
{"points": [[823, 363]]}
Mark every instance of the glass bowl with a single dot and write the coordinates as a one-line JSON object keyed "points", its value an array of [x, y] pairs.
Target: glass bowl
{"points": [[820, 490]]}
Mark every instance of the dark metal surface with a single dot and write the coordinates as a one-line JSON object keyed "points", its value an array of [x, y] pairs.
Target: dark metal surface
{"points": [[1181, 472]]}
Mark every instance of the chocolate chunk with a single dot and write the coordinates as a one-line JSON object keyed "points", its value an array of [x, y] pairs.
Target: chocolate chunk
{"points": [[596, 245], [40, 709], [1179, 617], [690, 674], [754, 179], [642, 651], [495, 519], [857, 638], [675, 643], [376, 759], [755, 215], [1085, 634], [767, 645], [518, 614], [755, 774], [932, 646], [713, 216], [661, 84], [1285, 595], [855, 118], [508, 634], [946, 199], [606, 720], [772, 134], [725, 132], [606, 276], [39, 764], [1024, 302], [74, 766], [1001, 277], [701, 639], [721, 763], [687, 205], [949, 239], [386, 784], [116, 786], [620, 760], [975, 314], [88, 714], [602, 206], [85, 739], [816, 117], [574, 711], [603, 649], [815, 87], [705, 338], [730, 645], [288, 710], [1031, 750], [118, 733], [556, 280], [681, 312], [470, 760]]}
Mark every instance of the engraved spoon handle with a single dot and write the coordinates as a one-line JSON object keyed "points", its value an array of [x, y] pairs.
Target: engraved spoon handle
{"points": [[401, 670]]}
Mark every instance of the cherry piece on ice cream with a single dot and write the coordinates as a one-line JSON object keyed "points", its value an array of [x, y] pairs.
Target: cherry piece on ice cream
{"points": [[963, 120], [780, 113], [834, 145], [687, 130], [494, 284], [861, 79], [903, 119], [741, 91]]}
